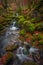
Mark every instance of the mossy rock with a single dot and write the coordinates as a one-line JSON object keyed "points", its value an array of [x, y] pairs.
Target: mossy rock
{"points": [[29, 63], [11, 47]]}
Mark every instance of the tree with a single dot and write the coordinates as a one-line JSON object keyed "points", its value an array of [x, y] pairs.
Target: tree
{"points": [[4, 3]]}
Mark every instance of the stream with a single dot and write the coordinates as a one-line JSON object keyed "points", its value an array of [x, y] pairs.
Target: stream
{"points": [[9, 37]]}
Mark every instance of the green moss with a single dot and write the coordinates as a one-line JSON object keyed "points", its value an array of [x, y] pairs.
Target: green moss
{"points": [[29, 63]]}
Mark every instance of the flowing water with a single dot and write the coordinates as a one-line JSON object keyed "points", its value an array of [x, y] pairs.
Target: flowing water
{"points": [[9, 37]]}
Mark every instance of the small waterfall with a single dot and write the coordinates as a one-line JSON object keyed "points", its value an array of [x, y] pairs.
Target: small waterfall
{"points": [[12, 34], [10, 37], [14, 23], [20, 50], [33, 50], [13, 27], [17, 14]]}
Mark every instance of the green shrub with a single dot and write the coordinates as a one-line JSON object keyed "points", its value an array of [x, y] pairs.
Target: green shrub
{"points": [[38, 37], [22, 32], [39, 26], [20, 22], [26, 22], [41, 42], [33, 20], [30, 27]]}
